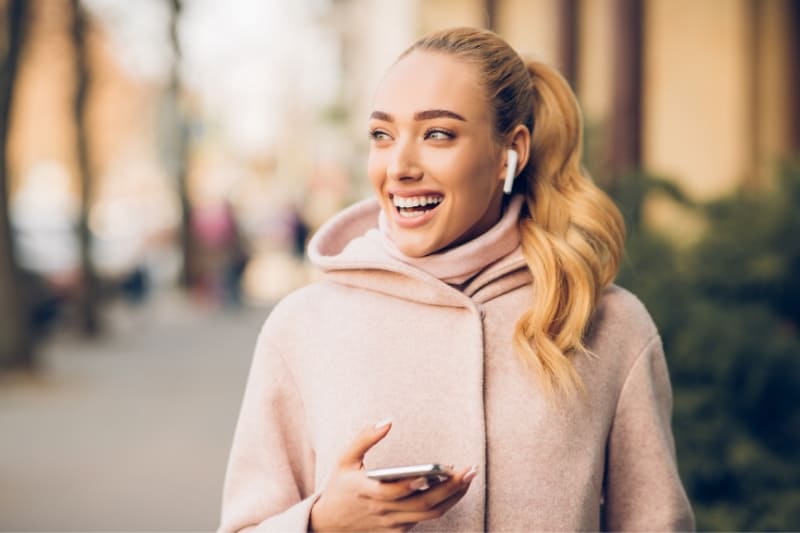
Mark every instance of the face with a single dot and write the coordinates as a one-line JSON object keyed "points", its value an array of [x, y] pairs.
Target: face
{"points": [[434, 162]]}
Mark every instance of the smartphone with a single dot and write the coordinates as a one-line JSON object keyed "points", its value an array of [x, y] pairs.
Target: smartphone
{"points": [[432, 470]]}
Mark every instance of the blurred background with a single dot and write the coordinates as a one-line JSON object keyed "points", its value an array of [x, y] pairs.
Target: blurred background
{"points": [[164, 162]]}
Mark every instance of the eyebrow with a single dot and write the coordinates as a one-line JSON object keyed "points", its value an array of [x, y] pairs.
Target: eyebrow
{"points": [[428, 114]]}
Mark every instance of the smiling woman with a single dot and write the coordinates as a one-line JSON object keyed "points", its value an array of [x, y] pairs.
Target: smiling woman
{"points": [[484, 324]]}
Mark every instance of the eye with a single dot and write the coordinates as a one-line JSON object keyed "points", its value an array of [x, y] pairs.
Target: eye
{"points": [[439, 134], [379, 135]]}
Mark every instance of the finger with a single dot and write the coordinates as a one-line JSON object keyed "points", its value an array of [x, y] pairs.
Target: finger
{"points": [[429, 499], [354, 456], [388, 491], [409, 518]]}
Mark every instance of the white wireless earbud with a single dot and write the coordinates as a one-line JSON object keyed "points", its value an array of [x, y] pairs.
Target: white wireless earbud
{"points": [[511, 171]]}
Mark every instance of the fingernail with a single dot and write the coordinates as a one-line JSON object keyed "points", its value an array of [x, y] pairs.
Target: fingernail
{"points": [[383, 423], [470, 475], [419, 484]]}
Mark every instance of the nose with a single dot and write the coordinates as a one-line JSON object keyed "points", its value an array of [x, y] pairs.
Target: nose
{"points": [[403, 164]]}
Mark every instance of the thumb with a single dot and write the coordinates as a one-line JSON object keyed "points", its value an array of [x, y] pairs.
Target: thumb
{"points": [[369, 437]]}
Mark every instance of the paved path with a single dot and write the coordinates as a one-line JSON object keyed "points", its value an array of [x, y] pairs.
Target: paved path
{"points": [[130, 432]]}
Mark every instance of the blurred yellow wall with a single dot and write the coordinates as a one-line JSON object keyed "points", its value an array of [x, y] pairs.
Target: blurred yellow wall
{"points": [[697, 93], [595, 27], [531, 27]]}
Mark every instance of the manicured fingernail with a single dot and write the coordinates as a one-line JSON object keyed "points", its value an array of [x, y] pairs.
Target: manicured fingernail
{"points": [[470, 475], [419, 484], [383, 423]]}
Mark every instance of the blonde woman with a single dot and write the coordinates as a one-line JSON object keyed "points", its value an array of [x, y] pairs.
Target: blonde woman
{"points": [[464, 325]]}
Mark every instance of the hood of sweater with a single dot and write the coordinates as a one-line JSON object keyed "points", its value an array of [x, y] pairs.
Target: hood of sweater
{"points": [[351, 249]]}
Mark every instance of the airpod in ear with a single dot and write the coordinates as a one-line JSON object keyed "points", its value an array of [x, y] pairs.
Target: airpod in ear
{"points": [[511, 171]]}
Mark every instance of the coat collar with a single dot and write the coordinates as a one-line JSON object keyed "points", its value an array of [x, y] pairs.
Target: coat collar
{"points": [[347, 253]]}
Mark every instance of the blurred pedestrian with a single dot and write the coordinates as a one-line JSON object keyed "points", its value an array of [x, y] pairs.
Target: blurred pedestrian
{"points": [[222, 256], [471, 301]]}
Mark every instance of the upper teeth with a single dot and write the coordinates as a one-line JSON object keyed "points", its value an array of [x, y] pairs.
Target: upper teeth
{"points": [[416, 201]]}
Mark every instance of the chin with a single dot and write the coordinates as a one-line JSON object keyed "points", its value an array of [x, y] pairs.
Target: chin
{"points": [[416, 250]]}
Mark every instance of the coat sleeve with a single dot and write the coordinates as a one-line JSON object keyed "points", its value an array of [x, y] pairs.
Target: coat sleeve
{"points": [[643, 489], [270, 475]]}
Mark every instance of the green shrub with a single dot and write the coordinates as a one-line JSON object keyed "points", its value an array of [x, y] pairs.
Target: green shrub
{"points": [[728, 309]]}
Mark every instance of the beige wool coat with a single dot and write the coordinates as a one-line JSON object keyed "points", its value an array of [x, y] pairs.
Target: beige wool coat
{"points": [[379, 338]]}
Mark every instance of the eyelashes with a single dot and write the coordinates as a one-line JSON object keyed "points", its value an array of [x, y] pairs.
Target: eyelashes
{"points": [[378, 135], [435, 134], [439, 134]]}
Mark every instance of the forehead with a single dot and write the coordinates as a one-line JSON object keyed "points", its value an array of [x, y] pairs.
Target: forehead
{"points": [[431, 80]]}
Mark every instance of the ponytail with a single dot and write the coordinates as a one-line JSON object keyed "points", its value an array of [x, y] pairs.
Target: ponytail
{"points": [[572, 238]]}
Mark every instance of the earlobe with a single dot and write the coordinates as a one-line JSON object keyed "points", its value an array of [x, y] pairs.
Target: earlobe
{"points": [[511, 171]]}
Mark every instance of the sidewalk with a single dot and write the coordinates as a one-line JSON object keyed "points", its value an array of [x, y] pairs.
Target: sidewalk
{"points": [[130, 432]]}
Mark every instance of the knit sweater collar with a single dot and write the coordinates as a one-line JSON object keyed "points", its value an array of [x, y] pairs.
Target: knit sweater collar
{"points": [[457, 265]]}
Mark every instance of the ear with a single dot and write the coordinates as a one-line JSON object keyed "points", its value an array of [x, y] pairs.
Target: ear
{"points": [[519, 140], [521, 143]]}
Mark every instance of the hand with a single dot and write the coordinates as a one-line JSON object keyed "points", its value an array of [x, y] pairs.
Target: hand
{"points": [[354, 502]]}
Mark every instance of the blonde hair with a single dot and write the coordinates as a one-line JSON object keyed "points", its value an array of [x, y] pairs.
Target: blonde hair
{"points": [[572, 233]]}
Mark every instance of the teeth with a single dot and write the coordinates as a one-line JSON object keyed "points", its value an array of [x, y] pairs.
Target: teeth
{"points": [[415, 201]]}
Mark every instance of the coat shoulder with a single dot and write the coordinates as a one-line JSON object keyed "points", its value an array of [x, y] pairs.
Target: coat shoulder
{"points": [[622, 317], [304, 304]]}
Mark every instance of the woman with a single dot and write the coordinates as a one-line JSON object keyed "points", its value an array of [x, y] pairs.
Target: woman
{"points": [[483, 324]]}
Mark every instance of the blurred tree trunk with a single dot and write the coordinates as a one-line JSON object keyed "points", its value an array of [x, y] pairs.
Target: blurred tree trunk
{"points": [[89, 294], [626, 115], [490, 9], [180, 156], [16, 343], [794, 77], [568, 45]]}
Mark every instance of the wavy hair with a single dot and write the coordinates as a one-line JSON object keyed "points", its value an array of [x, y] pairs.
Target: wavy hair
{"points": [[572, 233]]}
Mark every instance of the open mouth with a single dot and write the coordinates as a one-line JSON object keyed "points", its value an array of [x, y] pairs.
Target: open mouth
{"points": [[416, 206]]}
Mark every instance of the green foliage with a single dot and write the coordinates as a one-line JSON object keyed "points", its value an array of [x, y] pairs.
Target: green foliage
{"points": [[728, 309]]}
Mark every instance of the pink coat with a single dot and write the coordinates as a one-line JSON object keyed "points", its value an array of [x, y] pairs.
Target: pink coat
{"points": [[379, 338]]}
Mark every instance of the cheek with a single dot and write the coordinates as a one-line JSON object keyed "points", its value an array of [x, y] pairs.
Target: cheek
{"points": [[376, 170], [475, 177]]}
